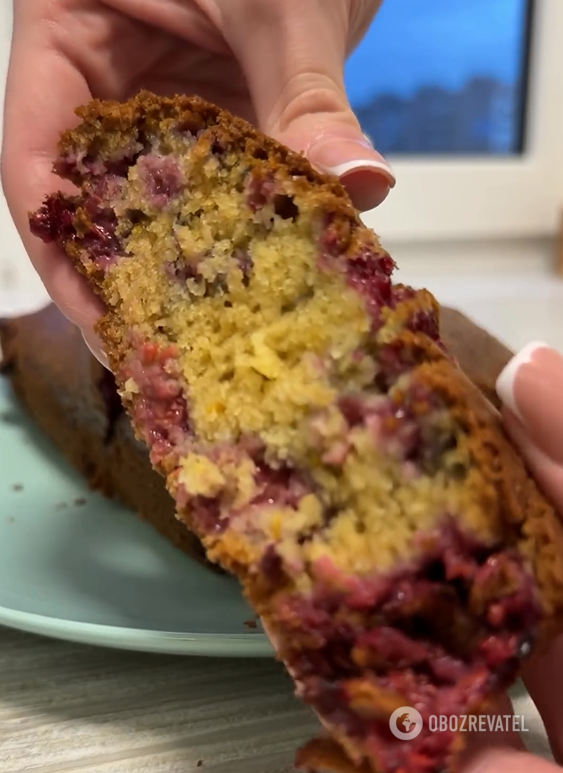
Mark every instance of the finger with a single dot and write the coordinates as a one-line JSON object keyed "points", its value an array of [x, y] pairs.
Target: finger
{"points": [[42, 90], [498, 730], [498, 749], [181, 19], [96, 348], [293, 54], [508, 761], [543, 677]]}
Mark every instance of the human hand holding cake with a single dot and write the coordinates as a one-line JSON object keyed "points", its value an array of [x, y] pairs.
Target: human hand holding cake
{"points": [[278, 64], [309, 423]]}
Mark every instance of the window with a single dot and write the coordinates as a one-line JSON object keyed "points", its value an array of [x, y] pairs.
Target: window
{"points": [[466, 101], [467, 97]]}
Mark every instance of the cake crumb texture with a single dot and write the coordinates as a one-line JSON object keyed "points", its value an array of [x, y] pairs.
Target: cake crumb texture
{"points": [[310, 423]]}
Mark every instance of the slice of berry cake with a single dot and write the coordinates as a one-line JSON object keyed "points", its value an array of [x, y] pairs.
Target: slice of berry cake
{"points": [[311, 427]]}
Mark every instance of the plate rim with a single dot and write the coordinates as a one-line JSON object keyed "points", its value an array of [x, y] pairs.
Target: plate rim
{"points": [[139, 639], [224, 645]]}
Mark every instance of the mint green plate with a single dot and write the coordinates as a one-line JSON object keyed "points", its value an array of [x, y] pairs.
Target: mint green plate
{"points": [[76, 566]]}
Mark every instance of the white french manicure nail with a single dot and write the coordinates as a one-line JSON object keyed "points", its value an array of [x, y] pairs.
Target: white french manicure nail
{"points": [[505, 382], [99, 355], [340, 170]]}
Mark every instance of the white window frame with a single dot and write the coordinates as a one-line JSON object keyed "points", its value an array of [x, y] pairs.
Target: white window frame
{"points": [[480, 197]]}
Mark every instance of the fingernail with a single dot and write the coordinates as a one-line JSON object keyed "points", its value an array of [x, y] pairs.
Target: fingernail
{"points": [[531, 387], [342, 155], [96, 350], [366, 174], [506, 382]]}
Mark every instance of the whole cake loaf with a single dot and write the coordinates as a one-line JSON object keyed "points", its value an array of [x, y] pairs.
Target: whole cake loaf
{"points": [[311, 426]]}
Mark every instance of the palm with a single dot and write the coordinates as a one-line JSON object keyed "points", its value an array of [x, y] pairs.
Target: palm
{"points": [[131, 55]]}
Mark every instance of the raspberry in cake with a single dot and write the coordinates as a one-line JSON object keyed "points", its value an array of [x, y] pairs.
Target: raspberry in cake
{"points": [[310, 424]]}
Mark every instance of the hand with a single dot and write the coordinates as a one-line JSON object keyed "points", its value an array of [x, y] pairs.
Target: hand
{"points": [[277, 63], [531, 390]]}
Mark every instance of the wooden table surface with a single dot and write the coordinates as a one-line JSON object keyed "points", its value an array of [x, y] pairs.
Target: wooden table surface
{"points": [[67, 708]]}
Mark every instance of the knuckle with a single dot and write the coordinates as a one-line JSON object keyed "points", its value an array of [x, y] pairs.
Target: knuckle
{"points": [[308, 94]]}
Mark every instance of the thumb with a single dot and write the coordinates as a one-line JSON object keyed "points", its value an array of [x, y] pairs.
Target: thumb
{"points": [[292, 53]]}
